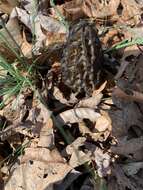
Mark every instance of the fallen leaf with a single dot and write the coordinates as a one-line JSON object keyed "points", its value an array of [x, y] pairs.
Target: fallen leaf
{"points": [[6, 6], [47, 135], [77, 115], [72, 10], [103, 162], [78, 157], [131, 51], [38, 154], [121, 179], [91, 102], [128, 147], [102, 124], [100, 9], [131, 12], [136, 96], [37, 175], [11, 39], [132, 168]]}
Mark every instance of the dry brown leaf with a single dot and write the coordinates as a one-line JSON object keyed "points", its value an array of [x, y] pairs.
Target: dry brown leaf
{"points": [[26, 47], [45, 28], [39, 169], [42, 155], [100, 89], [72, 10], [59, 96], [128, 51], [46, 135], [38, 116], [96, 136], [78, 114], [113, 36], [6, 6], [14, 29], [102, 124], [100, 9], [91, 102], [131, 11], [37, 175], [78, 157], [120, 116]]}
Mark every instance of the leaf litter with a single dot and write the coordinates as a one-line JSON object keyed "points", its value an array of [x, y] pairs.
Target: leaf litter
{"points": [[52, 139]]}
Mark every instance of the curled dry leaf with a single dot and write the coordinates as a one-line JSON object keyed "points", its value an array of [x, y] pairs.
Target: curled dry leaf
{"points": [[78, 158], [112, 37], [96, 136], [102, 124], [12, 130], [26, 47], [38, 117], [78, 114], [51, 24], [91, 102], [59, 96]]}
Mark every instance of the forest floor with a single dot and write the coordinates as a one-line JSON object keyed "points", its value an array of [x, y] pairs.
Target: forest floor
{"points": [[55, 133]]}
